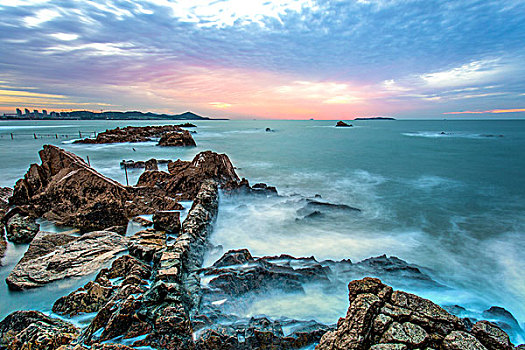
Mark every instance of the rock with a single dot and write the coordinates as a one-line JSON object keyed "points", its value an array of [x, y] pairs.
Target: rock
{"points": [[151, 165], [380, 318], [145, 244], [179, 139], [185, 178], [21, 229], [5, 193], [168, 221], [66, 190], [75, 257], [132, 134], [235, 257], [28, 330], [505, 320], [491, 336], [243, 187], [458, 340], [388, 347], [342, 124]]}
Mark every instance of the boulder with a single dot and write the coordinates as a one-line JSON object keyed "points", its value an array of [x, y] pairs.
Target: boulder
{"points": [[179, 139], [168, 221], [21, 229], [185, 178], [146, 243], [380, 318], [28, 330], [343, 124], [57, 257]]}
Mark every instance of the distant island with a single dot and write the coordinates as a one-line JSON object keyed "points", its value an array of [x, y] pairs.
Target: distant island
{"points": [[375, 118], [110, 115]]}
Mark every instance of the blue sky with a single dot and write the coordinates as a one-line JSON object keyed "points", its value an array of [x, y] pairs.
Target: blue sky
{"points": [[268, 59]]}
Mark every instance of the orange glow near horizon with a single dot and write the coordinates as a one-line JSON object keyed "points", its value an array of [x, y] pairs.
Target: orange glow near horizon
{"points": [[494, 111]]}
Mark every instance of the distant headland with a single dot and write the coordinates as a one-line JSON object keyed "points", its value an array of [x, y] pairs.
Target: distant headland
{"points": [[88, 115], [375, 118]]}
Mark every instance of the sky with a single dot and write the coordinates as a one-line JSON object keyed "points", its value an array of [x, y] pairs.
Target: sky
{"points": [[290, 59]]}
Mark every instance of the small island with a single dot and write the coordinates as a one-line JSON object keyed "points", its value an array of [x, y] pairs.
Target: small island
{"points": [[343, 124]]}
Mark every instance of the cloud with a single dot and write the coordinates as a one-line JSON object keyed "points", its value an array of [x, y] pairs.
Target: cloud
{"points": [[492, 111]]}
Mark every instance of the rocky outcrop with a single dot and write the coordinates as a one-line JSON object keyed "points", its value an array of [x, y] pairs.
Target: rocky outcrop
{"points": [[28, 330], [66, 190], [21, 229], [168, 221], [243, 188], [52, 257], [343, 124], [124, 271], [5, 193], [150, 164], [186, 178], [261, 333], [133, 134], [145, 244], [380, 318], [177, 139]]}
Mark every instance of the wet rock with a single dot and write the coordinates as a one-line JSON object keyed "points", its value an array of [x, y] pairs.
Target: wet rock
{"points": [[151, 164], [505, 320], [28, 330], [168, 221], [76, 257], [312, 205], [491, 336], [141, 221], [21, 229], [388, 347], [243, 187], [342, 124], [145, 244], [458, 340], [132, 134], [185, 178], [380, 318], [5, 193], [235, 257], [181, 138]]}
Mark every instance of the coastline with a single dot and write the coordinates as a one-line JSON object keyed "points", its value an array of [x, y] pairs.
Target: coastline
{"points": [[208, 335]]}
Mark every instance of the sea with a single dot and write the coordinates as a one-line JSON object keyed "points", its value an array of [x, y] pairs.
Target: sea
{"points": [[447, 196]]}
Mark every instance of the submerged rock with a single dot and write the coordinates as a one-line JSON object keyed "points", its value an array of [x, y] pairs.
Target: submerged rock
{"points": [[21, 229], [52, 257], [378, 315], [28, 330]]}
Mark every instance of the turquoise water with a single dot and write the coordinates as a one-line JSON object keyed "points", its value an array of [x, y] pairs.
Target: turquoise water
{"points": [[452, 203]]}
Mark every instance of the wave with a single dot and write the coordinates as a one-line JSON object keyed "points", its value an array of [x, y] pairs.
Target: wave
{"points": [[443, 134]]}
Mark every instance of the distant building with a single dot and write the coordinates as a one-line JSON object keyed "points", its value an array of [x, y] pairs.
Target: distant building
{"points": [[26, 112], [44, 112], [18, 112]]}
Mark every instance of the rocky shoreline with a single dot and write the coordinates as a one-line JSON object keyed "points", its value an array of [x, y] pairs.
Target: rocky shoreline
{"points": [[152, 291]]}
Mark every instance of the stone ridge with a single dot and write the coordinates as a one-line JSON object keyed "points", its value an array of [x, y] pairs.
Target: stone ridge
{"points": [[379, 318]]}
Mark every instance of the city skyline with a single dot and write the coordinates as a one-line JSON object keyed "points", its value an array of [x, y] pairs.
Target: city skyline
{"points": [[291, 59]]}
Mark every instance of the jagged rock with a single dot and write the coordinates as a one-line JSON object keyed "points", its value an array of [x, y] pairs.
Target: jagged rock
{"points": [[378, 316], [66, 190], [505, 320], [342, 124], [167, 221], [65, 258], [151, 164], [458, 340], [235, 257], [389, 347], [185, 178], [145, 244], [28, 330], [5, 193], [141, 221], [132, 134], [180, 139], [243, 187], [21, 229], [260, 333], [491, 336], [95, 294]]}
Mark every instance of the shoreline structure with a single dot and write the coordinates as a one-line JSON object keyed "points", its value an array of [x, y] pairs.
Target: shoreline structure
{"points": [[156, 294]]}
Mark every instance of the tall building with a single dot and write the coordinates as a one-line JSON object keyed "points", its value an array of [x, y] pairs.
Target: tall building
{"points": [[26, 112], [44, 112], [18, 112]]}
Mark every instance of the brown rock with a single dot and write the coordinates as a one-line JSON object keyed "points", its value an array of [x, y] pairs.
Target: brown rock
{"points": [[28, 330], [491, 336], [132, 134], [144, 244], [342, 124], [21, 229], [458, 340], [167, 221], [179, 139], [77, 257]]}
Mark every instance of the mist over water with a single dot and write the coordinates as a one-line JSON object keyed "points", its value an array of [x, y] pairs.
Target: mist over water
{"points": [[453, 203]]}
